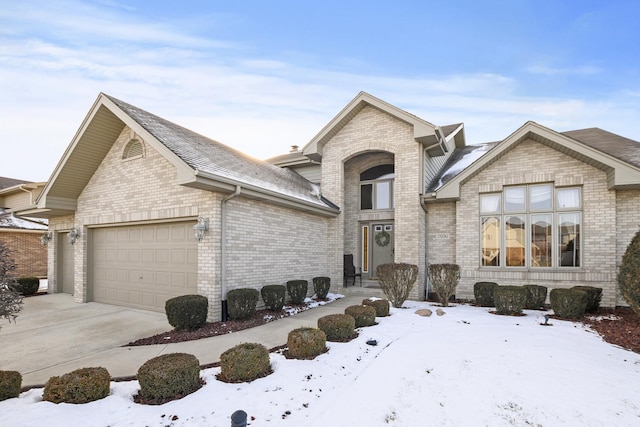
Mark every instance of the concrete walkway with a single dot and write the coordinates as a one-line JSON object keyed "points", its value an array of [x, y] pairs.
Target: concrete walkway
{"points": [[53, 336]]}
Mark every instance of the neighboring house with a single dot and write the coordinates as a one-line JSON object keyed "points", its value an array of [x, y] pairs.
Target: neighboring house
{"points": [[540, 207], [22, 236]]}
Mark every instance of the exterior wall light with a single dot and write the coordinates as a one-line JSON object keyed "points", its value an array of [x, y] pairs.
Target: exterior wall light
{"points": [[45, 239], [201, 226], [74, 234]]}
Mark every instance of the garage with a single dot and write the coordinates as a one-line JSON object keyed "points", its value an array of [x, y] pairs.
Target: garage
{"points": [[144, 265]]}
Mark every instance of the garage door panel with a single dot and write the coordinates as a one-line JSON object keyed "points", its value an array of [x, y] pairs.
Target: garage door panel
{"points": [[143, 266]]}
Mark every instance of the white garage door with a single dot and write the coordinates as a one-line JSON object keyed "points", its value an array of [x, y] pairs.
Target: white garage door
{"points": [[143, 266]]}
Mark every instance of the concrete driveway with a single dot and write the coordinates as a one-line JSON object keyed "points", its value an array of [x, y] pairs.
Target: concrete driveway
{"points": [[52, 330]]}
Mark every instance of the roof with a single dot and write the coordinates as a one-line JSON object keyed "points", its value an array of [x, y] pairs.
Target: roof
{"points": [[200, 161], [621, 148], [459, 160], [10, 182], [9, 221]]}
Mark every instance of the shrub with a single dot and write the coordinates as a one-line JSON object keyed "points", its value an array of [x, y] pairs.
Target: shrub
{"points": [[306, 343], [381, 306], [629, 274], [337, 327], [26, 285], [321, 286], [244, 363], [165, 377], [594, 296], [483, 293], [10, 384], [241, 303], [364, 315], [273, 296], [187, 312], [79, 386], [396, 281], [568, 303], [510, 300], [10, 301], [297, 290], [444, 279], [536, 296]]}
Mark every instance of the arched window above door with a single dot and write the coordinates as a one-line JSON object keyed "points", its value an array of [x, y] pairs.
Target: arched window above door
{"points": [[376, 188]]}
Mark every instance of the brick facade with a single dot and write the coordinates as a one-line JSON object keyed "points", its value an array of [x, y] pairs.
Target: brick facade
{"points": [[29, 256]]}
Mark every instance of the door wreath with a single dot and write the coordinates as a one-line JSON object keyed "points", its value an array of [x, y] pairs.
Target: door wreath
{"points": [[382, 238]]}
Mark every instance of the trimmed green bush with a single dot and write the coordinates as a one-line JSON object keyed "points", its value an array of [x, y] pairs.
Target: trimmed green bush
{"points": [[79, 386], [594, 296], [244, 363], [297, 290], [396, 281], [306, 343], [568, 303], [241, 303], [629, 274], [364, 315], [381, 306], [273, 296], [536, 296], [321, 286], [337, 327], [10, 384], [165, 377], [444, 280], [483, 292], [510, 300], [187, 312], [26, 285]]}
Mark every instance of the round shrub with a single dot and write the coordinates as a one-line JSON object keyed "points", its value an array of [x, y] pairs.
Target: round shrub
{"points": [[306, 343], [536, 296], [244, 363], [297, 290], [364, 315], [187, 312], [483, 293], [321, 286], [510, 300], [381, 306], [568, 303], [10, 384], [273, 296], [337, 327], [594, 296], [241, 303], [629, 274], [27, 285], [165, 377], [79, 386]]}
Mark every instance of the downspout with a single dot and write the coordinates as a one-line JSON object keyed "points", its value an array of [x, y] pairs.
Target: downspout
{"points": [[223, 251], [423, 204]]}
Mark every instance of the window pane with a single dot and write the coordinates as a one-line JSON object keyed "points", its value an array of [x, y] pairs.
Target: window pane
{"points": [[366, 200], [490, 250], [569, 198], [541, 240], [490, 203], [569, 239], [383, 195], [540, 197], [514, 241], [514, 199]]}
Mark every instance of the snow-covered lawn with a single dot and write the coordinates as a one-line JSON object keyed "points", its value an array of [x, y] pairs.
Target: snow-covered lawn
{"points": [[466, 368]]}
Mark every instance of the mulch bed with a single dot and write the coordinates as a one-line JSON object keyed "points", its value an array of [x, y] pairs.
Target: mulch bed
{"points": [[620, 326]]}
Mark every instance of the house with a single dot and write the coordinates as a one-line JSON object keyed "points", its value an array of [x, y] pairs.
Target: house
{"points": [[22, 236], [133, 191]]}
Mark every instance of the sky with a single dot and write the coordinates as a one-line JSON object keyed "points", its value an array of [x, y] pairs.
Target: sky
{"points": [[261, 76], [467, 367]]}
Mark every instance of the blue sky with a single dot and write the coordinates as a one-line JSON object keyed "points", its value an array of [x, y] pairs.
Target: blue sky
{"points": [[261, 76]]}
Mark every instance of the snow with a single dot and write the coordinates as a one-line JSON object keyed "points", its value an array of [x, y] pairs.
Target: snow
{"points": [[465, 368]]}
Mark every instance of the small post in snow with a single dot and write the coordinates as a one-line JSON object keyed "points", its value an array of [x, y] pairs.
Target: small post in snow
{"points": [[239, 419]]}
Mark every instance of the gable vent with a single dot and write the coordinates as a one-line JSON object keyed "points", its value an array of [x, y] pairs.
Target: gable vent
{"points": [[133, 150]]}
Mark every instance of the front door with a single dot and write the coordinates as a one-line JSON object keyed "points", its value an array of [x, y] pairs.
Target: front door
{"points": [[381, 246]]}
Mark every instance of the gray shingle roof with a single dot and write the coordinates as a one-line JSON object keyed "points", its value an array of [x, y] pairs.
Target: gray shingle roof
{"points": [[10, 182], [459, 160], [621, 148], [207, 155]]}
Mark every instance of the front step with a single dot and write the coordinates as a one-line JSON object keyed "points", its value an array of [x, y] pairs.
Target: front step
{"points": [[363, 291]]}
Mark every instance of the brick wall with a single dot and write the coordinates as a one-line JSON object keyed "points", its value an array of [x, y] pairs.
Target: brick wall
{"points": [[29, 256]]}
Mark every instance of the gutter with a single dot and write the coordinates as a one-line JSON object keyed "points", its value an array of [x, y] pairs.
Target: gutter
{"points": [[223, 251]]}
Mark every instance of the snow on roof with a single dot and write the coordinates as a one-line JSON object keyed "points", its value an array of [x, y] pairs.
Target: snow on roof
{"points": [[459, 160], [8, 220]]}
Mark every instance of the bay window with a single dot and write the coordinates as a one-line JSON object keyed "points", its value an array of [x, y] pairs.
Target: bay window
{"points": [[517, 227]]}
